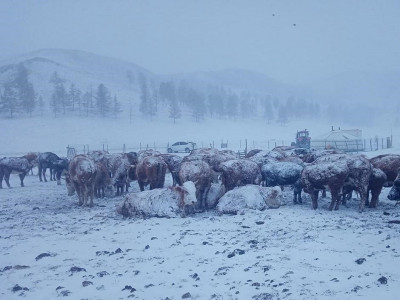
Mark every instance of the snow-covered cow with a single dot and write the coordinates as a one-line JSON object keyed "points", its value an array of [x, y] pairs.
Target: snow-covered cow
{"points": [[118, 165], [173, 164], [170, 202], [18, 165], [238, 172], [332, 171], [283, 173], [389, 164], [394, 193], [103, 186], [48, 160], [200, 173], [375, 184], [249, 197], [151, 170], [80, 178]]}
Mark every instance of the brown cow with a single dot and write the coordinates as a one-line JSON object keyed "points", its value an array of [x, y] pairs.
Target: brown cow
{"points": [[117, 165], [394, 193], [389, 164], [103, 186], [151, 170], [238, 172], [331, 172], [81, 177], [200, 173]]}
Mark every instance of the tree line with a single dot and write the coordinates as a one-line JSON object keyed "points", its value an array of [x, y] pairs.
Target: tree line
{"points": [[18, 97]]}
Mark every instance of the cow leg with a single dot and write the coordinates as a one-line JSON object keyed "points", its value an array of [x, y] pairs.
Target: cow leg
{"points": [[21, 177], [40, 172], [44, 174], [363, 195], [1, 178], [314, 198], [141, 185], [7, 178], [335, 202], [79, 192], [323, 193], [375, 196], [91, 195]]}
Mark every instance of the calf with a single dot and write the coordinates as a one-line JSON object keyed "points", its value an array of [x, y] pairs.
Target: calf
{"points": [[238, 172], [8, 165], [167, 202], [81, 178]]}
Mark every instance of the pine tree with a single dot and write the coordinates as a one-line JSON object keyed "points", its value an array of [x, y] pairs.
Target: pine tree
{"points": [[197, 103], [116, 107], [59, 99], [282, 115], [144, 96], [74, 96], [9, 100], [232, 105], [41, 105], [268, 110], [26, 92], [174, 110], [103, 100]]}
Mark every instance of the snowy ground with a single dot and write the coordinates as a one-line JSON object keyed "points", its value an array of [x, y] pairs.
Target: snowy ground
{"points": [[51, 247]]}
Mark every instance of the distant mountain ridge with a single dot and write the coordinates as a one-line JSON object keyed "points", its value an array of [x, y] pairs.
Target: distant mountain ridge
{"points": [[356, 91]]}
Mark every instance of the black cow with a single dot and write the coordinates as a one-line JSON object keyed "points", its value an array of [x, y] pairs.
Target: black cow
{"points": [[48, 160]]}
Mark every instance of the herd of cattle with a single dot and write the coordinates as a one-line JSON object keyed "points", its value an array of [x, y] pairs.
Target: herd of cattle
{"points": [[100, 174]]}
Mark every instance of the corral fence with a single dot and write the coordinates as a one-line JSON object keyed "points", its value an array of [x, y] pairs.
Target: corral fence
{"points": [[239, 146]]}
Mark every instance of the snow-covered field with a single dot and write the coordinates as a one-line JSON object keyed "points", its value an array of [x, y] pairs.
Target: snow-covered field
{"points": [[50, 247]]}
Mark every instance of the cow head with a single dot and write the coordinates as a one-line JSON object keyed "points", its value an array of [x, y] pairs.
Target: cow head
{"points": [[70, 185], [394, 193], [189, 193], [109, 191]]}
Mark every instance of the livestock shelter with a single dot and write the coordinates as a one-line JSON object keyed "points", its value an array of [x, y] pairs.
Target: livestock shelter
{"points": [[349, 140]]}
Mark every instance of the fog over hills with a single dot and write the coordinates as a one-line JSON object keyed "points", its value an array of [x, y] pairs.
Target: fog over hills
{"points": [[348, 97]]}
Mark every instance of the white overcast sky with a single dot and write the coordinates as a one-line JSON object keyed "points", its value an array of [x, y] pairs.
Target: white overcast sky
{"points": [[168, 36]]}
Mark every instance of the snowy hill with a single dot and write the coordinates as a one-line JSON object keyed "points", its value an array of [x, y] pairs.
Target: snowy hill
{"points": [[85, 70]]}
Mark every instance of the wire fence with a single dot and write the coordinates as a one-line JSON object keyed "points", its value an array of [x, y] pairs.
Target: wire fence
{"points": [[239, 146]]}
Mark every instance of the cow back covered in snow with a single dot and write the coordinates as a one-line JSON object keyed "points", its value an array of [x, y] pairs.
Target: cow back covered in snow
{"points": [[19, 165], [332, 171], [173, 164], [283, 173], [238, 172], [170, 202], [249, 197], [81, 178], [151, 170], [389, 164], [200, 173]]}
